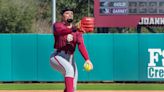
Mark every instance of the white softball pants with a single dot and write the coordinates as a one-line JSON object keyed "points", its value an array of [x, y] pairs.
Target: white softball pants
{"points": [[65, 64]]}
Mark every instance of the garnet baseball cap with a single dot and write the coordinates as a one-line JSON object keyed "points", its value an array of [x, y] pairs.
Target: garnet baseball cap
{"points": [[66, 9]]}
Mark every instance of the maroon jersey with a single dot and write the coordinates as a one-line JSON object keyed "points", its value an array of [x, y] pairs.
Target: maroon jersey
{"points": [[66, 40]]}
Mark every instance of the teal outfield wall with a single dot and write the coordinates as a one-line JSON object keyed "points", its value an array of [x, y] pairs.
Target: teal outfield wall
{"points": [[116, 57]]}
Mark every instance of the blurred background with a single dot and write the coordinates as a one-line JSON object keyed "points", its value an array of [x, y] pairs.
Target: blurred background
{"points": [[35, 16]]}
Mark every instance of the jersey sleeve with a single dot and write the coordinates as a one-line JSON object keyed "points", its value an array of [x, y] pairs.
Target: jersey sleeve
{"points": [[61, 29], [82, 47]]}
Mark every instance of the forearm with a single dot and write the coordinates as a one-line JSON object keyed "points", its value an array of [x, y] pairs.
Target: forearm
{"points": [[83, 51]]}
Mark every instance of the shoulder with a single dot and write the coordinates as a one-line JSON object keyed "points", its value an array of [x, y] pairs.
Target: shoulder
{"points": [[57, 24]]}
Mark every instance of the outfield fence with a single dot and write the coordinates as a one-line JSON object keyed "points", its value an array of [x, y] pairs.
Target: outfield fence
{"points": [[116, 57]]}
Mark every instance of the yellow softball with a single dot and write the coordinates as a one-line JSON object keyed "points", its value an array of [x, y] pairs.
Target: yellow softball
{"points": [[87, 67]]}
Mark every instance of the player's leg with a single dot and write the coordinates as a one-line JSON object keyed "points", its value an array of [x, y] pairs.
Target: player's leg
{"points": [[56, 65], [64, 65], [75, 76]]}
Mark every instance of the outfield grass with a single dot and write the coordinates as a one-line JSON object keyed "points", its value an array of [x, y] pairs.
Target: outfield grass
{"points": [[96, 86]]}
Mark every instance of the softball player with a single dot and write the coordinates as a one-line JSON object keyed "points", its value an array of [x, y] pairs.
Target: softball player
{"points": [[66, 38]]}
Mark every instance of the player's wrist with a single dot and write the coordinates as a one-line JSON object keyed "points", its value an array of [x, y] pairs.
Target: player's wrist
{"points": [[88, 60]]}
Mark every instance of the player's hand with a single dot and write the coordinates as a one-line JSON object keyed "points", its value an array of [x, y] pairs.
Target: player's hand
{"points": [[90, 63]]}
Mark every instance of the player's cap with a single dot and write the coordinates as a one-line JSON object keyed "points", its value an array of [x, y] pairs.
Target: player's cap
{"points": [[66, 9]]}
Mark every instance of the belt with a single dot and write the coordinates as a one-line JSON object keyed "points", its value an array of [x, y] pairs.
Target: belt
{"points": [[66, 52]]}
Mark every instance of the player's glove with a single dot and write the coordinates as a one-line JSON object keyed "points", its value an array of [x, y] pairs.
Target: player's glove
{"points": [[86, 25]]}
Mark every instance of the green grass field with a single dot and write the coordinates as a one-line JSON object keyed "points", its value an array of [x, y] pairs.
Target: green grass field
{"points": [[96, 86]]}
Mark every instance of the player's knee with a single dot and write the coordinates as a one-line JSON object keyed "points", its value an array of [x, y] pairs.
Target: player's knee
{"points": [[69, 72]]}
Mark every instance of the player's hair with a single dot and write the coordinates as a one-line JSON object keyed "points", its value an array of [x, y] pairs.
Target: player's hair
{"points": [[65, 9]]}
